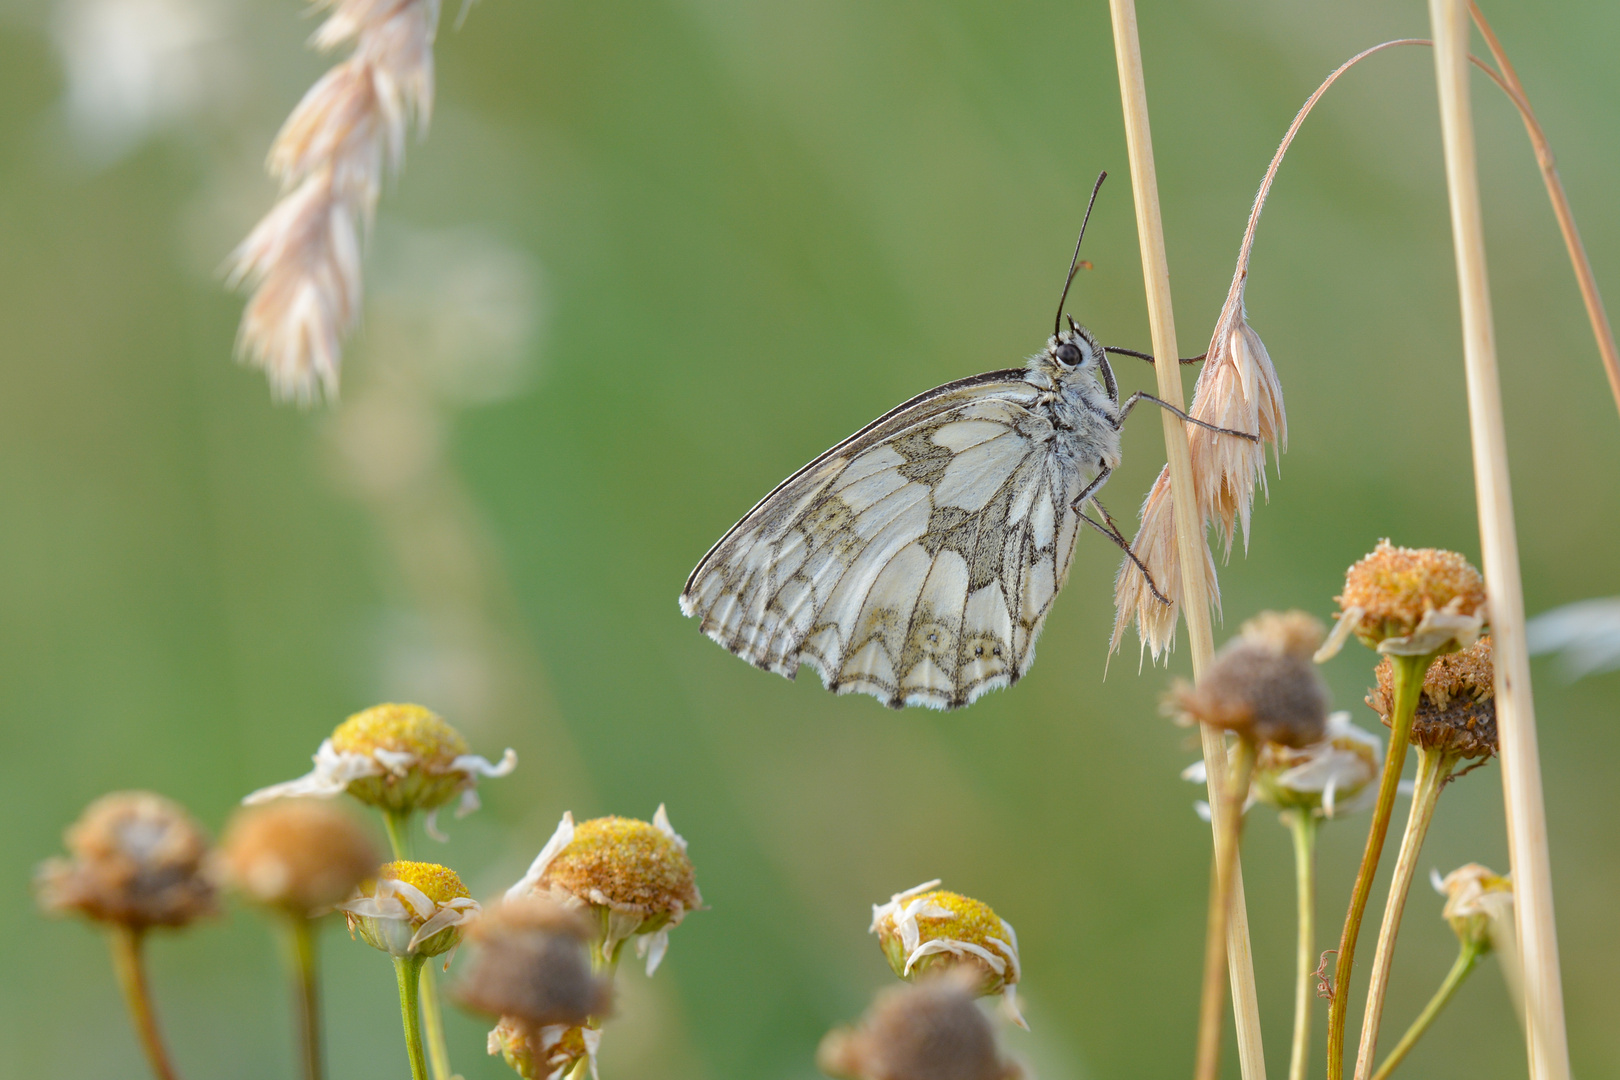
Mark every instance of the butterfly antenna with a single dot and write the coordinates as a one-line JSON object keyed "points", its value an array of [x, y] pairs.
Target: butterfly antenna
{"points": [[1074, 263]]}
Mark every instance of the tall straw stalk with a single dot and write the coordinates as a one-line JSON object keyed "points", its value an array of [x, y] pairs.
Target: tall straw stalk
{"points": [[1515, 713], [1188, 521]]}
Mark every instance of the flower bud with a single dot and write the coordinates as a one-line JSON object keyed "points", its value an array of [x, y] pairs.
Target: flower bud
{"points": [[398, 758], [1410, 602], [1456, 712], [532, 963], [925, 931], [1476, 899], [139, 860], [632, 875], [410, 909], [1262, 684], [931, 1030], [544, 1053], [297, 855]]}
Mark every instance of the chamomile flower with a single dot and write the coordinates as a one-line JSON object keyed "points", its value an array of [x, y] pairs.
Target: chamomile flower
{"points": [[398, 758], [1476, 899], [1326, 779], [633, 875], [410, 909], [544, 1053], [1409, 602], [925, 930]]}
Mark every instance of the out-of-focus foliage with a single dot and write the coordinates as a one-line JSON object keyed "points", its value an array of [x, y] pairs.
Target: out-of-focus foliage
{"points": [[653, 257]]}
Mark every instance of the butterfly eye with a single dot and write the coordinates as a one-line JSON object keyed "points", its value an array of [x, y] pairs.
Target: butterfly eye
{"points": [[1069, 354]]}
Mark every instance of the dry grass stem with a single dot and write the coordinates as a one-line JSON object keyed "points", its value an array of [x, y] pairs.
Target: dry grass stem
{"points": [[1521, 766], [303, 260]]}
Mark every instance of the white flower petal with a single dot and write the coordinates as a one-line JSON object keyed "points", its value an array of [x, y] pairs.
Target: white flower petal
{"points": [[331, 776], [476, 764], [554, 847], [1197, 772], [1201, 808], [430, 825], [398, 762], [653, 947], [1438, 882], [1009, 1006], [592, 1038], [419, 901], [444, 918], [1349, 619], [661, 823]]}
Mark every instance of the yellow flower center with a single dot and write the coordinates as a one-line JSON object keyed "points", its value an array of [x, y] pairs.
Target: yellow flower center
{"points": [[970, 920], [400, 729], [439, 883], [1397, 585], [633, 864]]}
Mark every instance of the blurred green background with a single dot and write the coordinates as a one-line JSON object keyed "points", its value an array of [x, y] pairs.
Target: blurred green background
{"points": [[651, 258]]}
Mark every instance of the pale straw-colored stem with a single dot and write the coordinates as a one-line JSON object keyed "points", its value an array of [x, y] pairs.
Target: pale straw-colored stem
{"points": [[129, 963], [1189, 523], [1434, 769], [1303, 825], [1466, 959], [1584, 277], [1515, 712], [1212, 1006]]}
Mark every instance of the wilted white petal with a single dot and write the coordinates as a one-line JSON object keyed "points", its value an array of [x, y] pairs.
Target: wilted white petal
{"points": [[653, 947], [1586, 634], [482, 766], [430, 825], [661, 823], [554, 847], [1009, 1006], [1348, 620], [419, 901], [332, 775]]}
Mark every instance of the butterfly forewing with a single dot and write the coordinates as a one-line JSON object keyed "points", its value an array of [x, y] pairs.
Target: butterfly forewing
{"points": [[914, 561]]}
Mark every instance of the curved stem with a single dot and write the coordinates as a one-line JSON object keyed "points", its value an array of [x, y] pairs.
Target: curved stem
{"points": [[433, 1025], [407, 973], [1434, 769], [129, 964], [1303, 825], [1227, 840], [398, 824], [306, 992], [1408, 682], [1466, 959]]}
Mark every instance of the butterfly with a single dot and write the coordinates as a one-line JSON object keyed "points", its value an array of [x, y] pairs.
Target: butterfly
{"points": [[917, 560]]}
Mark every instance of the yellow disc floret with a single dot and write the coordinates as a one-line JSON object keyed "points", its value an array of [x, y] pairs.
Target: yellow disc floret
{"points": [[627, 865], [400, 729], [927, 930], [410, 909], [440, 883]]}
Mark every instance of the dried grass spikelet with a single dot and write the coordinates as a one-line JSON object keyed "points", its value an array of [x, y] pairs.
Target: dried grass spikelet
{"points": [[931, 1030], [138, 860], [302, 261]]}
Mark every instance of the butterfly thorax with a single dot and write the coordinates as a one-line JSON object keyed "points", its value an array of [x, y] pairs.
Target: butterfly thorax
{"points": [[1073, 368]]}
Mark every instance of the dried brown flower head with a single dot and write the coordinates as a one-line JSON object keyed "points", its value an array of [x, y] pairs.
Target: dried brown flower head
{"points": [[139, 860], [930, 1030], [533, 963], [1262, 684], [298, 855], [633, 874], [1410, 602], [1456, 713]]}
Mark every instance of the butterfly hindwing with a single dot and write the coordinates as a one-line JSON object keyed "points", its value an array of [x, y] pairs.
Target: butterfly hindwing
{"points": [[915, 561]]}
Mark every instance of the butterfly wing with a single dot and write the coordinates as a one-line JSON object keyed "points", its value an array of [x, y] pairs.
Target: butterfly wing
{"points": [[914, 561]]}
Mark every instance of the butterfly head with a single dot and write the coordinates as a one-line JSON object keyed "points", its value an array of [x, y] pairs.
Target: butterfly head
{"points": [[1074, 355]]}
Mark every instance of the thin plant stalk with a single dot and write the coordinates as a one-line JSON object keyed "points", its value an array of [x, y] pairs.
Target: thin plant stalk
{"points": [[1434, 769], [1227, 841], [1599, 318], [129, 963], [1408, 683], [306, 993], [433, 1025], [398, 825], [1466, 959], [1303, 825], [407, 973], [1515, 709], [1189, 532]]}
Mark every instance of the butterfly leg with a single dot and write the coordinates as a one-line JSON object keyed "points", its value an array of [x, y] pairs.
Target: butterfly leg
{"points": [[1130, 403], [1111, 531], [1199, 359]]}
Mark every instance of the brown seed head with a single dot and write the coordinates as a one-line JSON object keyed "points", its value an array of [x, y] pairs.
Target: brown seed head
{"points": [[1456, 712], [930, 1030], [1393, 588], [533, 963], [1262, 685], [298, 855], [139, 860]]}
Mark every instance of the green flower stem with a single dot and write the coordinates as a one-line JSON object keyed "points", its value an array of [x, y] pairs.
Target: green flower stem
{"points": [[433, 1024], [1434, 769], [398, 824], [131, 970], [1466, 959], [306, 992], [407, 972], [581, 1069], [1303, 824], [1408, 683], [1212, 1005]]}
